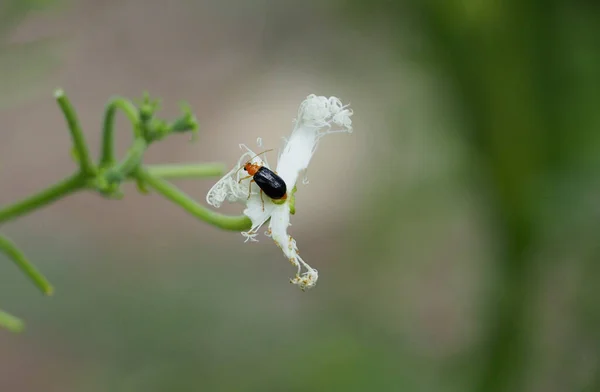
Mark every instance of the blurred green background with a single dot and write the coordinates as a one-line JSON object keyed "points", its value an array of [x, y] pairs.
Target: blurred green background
{"points": [[455, 231]]}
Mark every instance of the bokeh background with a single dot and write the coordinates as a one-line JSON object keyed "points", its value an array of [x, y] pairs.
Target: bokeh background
{"points": [[455, 232]]}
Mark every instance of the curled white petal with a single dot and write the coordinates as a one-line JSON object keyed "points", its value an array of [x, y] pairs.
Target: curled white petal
{"points": [[280, 220], [250, 236], [229, 187], [307, 280], [317, 117], [225, 189]]}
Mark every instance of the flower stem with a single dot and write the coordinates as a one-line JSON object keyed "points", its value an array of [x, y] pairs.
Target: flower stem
{"points": [[186, 171], [47, 196], [133, 158], [11, 250], [10, 322], [107, 157], [172, 193], [83, 154]]}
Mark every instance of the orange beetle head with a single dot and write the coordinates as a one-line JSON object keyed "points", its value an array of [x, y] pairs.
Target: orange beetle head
{"points": [[251, 168]]}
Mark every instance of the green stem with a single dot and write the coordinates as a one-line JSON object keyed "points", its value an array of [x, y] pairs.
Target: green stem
{"points": [[11, 250], [83, 154], [172, 193], [108, 150], [133, 158], [186, 171], [10, 322], [47, 196]]}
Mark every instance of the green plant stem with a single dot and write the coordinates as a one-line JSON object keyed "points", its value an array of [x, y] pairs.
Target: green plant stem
{"points": [[133, 158], [83, 154], [186, 171], [10, 322], [170, 192], [11, 250], [107, 157], [41, 199]]}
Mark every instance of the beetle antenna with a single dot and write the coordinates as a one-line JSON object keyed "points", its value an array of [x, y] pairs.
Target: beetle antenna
{"points": [[252, 159]]}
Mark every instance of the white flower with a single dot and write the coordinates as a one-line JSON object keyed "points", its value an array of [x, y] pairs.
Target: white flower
{"points": [[317, 117]]}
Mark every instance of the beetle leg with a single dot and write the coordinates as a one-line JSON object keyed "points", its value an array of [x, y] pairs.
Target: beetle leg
{"points": [[244, 178], [262, 200], [249, 184], [250, 188]]}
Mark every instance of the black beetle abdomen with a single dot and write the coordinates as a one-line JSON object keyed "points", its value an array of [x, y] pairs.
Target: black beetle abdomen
{"points": [[271, 184]]}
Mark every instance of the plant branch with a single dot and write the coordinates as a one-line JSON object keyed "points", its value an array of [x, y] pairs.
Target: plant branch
{"points": [[46, 196], [186, 171], [133, 158], [10, 322], [172, 193], [83, 154], [11, 250], [107, 157]]}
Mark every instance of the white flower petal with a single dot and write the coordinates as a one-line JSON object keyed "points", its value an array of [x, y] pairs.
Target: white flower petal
{"points": [[229, 187], [316, 118], [307, 280], [225, 189], [280, 220], [255, 211]]}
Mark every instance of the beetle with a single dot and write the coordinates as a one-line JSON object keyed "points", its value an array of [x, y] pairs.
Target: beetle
{"points": [[267, 180]]}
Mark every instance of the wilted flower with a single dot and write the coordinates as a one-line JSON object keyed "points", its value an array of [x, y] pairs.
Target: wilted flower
{"points": [[317, 117]]}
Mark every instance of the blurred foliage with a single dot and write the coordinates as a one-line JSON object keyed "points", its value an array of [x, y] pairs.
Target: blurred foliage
{"points": [[524, 77], [24, 66]]}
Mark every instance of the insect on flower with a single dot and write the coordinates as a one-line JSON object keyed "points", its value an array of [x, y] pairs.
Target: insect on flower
{"points": [[317, 117], [268, 181]]}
